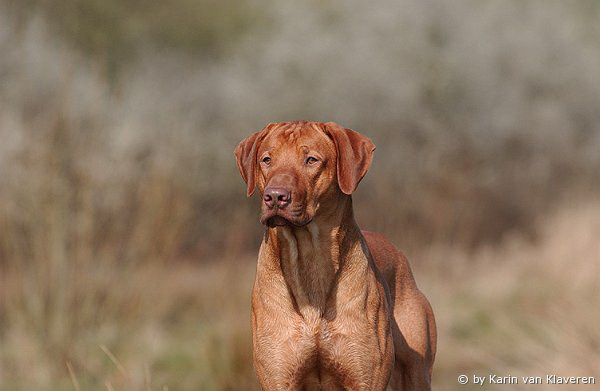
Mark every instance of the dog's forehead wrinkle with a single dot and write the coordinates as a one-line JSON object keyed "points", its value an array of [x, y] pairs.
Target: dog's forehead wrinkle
{"points": [[295, 129], [302, 144]]}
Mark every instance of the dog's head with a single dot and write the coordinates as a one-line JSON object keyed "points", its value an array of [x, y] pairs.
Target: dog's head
{"points": [[302, 168]]}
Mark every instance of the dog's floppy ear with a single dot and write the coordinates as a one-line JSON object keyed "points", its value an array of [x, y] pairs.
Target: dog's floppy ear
{"points": [[354, 155], [245, 154]]}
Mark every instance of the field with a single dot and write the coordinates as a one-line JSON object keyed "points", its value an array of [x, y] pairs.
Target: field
{"points": [[127, 246], [521, 309]]}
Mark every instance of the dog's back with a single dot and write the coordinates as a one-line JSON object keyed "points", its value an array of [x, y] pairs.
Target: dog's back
{"points": [[412, 349]]}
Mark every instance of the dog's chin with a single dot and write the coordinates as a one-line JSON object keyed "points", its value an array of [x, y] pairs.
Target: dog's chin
{"points": [[277, 220]]}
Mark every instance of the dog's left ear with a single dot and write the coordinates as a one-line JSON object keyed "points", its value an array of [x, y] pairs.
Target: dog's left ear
{"points": [[354, 155], [245, 154]]}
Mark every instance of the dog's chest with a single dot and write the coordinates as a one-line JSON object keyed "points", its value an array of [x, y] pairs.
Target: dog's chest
{"points": [[330, 350], [314, 327], [324, 338]]}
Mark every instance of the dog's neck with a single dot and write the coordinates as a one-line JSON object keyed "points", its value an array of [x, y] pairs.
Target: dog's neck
{"points": [[313, 257]]}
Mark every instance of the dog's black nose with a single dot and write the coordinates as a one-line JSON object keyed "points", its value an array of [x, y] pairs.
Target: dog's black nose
{"points": [[277, 197]]}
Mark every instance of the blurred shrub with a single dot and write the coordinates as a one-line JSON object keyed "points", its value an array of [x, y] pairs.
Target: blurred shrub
{"points": [[114, 31], [484, 115]]}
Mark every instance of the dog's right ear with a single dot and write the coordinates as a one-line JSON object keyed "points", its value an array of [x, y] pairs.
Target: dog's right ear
{"points": [[245, 154]]}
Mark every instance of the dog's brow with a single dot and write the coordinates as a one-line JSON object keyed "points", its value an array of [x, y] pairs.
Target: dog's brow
{"points": [[316, 127]]}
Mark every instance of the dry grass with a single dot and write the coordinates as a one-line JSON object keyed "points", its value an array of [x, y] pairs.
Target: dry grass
{"points": [[181, 326], [522, 309], [518, 309]]}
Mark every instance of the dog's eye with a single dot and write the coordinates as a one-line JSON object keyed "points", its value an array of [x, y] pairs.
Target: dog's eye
{"points": [[266, 160], [311, 160]]}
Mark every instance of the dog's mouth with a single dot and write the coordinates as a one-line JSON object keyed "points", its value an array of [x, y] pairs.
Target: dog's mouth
{"points": [[278, 221], [277, 218]]}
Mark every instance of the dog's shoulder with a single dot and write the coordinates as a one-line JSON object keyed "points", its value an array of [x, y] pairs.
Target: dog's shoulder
{"points": [[392, 262]]}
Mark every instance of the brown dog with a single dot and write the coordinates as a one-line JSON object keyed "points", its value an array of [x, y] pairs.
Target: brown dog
{"points": [[332, 307]]}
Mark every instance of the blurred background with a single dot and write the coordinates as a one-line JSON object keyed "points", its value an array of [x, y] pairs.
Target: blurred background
{"points": [[128, 247]]}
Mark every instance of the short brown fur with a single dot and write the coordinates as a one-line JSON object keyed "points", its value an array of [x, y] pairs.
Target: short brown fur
{"points": [[333, 307]]}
